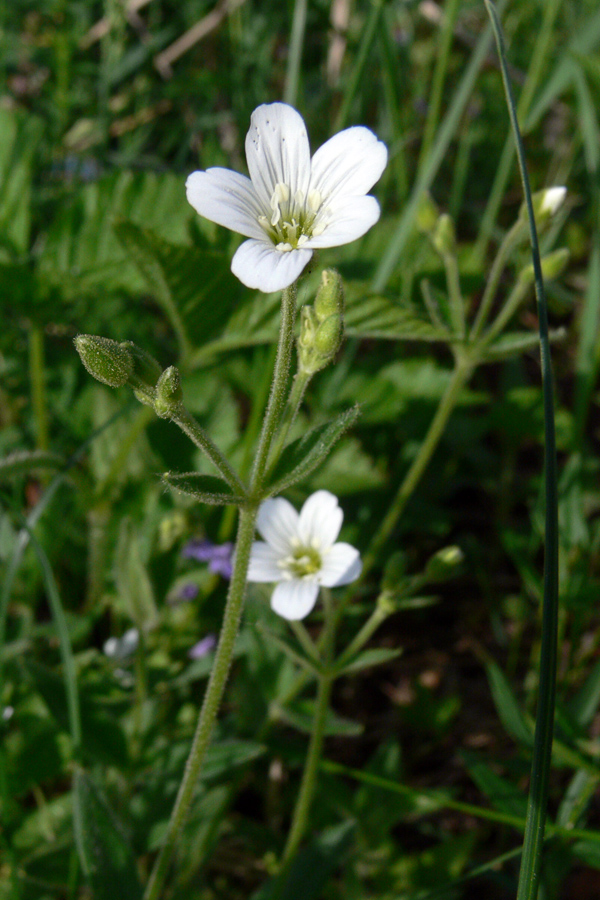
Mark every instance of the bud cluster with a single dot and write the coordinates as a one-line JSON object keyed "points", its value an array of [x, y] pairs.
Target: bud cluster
{"points": [[322, 325], [117, 364]]}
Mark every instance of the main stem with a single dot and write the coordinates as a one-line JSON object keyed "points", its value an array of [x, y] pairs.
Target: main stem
{"points": [[234, 606]]}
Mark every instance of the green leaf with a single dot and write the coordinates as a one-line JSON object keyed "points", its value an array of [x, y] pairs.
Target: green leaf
{"points": [[312, 867], [24, 461], [20, 135], [507, 707], [132, 579], [513, 343], [503, 795], [223, 756], [301, 716], [106, 858], [378, 317], [585, 703], [102, 735], [369, 658], [205, 488], [302, 457]]}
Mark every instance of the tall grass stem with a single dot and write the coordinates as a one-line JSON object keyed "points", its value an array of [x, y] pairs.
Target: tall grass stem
{"points": [[529, 876]]}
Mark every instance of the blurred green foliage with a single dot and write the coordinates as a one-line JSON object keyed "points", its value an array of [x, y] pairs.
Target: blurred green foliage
{"points": [[98, 131]]}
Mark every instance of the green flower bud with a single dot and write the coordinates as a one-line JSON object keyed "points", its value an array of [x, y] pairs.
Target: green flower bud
{"points": [[145, 367], [545, 204], [428, 214], [553, 265], [108, 362], [443, 564], [168, 396], [330, 296], [444, 237], [328, 338]]}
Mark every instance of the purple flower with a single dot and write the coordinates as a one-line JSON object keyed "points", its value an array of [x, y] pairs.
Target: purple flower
{"points": [[203, 647], [218, 556], [189, 591]]}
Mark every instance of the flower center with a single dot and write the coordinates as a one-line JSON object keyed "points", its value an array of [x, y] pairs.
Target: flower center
{"points": [[294, 219], [302, 562]]}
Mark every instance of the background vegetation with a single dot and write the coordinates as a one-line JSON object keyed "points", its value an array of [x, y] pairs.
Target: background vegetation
{"points": [[422, 792]]}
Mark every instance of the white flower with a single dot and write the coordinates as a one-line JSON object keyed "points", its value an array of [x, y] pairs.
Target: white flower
{"points": [[552, 199], [291, 205], [300, 554]]}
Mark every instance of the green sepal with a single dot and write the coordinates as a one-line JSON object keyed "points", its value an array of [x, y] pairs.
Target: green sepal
{"points": [[168, 395], [302, 456], [105, 856], [205, 488]]}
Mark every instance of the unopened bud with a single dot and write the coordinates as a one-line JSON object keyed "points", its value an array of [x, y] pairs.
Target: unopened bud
{"points": [[168, 396], [145, 367], [443, 564], [329, 337], [330, 296], [108, 362], [546, 204], [428, 214], [553, 265], [444, 237]]}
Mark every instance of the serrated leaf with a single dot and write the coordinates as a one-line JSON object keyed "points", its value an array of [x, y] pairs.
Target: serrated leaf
{"points": [[378, 317], [106, 858], [369, 658], [205, 488], [24, 461], [302, 457]]}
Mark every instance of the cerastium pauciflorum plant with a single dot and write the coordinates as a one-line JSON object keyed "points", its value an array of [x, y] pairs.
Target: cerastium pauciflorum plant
{"points": [[290, 207]]}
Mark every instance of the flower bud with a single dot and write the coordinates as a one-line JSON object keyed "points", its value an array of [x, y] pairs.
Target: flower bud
{"points": [[106, 360], [443, 564], [145, 367], [168, 396], [444, 237], [427, 214], [328, 338], [546, 204], [330, 296], [553, 265]]}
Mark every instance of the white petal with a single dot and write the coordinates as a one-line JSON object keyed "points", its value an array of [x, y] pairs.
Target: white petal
{"points": [[263, 563], [341, 565], [348, 164], [350, 218], [294, 599], [277, 521], [258, 264], [320, 521], [227, 198], [277, 150]]}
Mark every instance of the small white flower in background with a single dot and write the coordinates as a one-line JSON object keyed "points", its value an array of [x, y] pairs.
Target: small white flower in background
{"points": [[291, 205], [553, 199], [299, 552], [121, 648]]}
